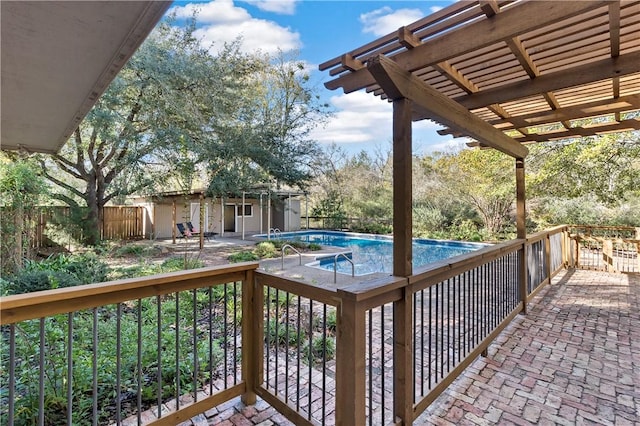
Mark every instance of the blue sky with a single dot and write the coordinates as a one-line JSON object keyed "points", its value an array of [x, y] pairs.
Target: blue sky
{"points": [[321, 30]]}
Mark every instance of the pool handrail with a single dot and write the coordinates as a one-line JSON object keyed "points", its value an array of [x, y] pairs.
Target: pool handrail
{"points": [[335, 266], [286, 246]]}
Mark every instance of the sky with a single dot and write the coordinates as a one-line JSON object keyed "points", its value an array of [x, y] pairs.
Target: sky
{"points": [[320, 30]]}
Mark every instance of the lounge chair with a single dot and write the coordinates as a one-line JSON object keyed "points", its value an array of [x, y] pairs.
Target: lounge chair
{"points": [[194, 231], [184, 232]]}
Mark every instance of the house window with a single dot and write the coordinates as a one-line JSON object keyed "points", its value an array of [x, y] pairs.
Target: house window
{"points": [[248, 210]]}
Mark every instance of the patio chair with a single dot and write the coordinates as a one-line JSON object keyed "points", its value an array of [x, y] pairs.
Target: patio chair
{"points": [[184, 232], [207, 235]]}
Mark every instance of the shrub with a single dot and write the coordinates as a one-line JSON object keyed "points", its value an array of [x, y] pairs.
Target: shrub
{"points": [[177, 263], [266, 249], [243, 256], [39, 280]]}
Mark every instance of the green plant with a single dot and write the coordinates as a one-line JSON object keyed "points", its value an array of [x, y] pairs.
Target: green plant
{"points": [[278, 333], [177, 263], [321, 348], [266, 249], [243, 256]]}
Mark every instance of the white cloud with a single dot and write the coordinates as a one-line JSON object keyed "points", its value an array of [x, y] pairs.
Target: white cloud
{"points": [[284, 7], [221, 21], [361, 117], [385, 20]]}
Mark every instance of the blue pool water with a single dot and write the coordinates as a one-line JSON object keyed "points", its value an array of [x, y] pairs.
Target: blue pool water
{"points": [[374, 253]]}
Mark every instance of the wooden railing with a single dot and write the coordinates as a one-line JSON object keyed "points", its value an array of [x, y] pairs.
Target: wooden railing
{"points": [[605, 248], [376, 352]]}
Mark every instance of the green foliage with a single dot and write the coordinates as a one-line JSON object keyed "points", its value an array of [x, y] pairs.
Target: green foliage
{"points": [[369, 227], [178, 263], [21, 189], [279, 334], [604, 168], [56, 344], [320, 348], [243, 256], [58, 271], [315, 246], [266, 249], [138, 250]]}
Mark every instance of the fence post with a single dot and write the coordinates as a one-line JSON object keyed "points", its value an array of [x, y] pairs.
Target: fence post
{"points": [[350, 362], [547, 256], [251, 336], [607, 255]]}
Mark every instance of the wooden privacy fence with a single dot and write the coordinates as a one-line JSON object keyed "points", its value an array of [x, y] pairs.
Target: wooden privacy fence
{"points": [[120, 222]]}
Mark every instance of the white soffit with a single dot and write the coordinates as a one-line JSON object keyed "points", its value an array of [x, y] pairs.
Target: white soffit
{"points": [[57, 58]]}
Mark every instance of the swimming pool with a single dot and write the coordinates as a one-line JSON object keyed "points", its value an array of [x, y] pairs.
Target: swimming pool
{"points": [[374, 253]]}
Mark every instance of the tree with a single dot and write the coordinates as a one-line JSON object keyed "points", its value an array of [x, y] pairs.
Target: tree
{"points": [[21, 189], [606, 167], [149, 118], [484, 179], [266, 138]]}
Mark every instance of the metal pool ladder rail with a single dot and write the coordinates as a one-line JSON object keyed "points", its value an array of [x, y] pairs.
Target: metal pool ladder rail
{"points": [[275, 232], [335, 266], [286, 246]]}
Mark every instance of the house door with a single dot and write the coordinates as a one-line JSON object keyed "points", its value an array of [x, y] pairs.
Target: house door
{"points": [[230, 218]]}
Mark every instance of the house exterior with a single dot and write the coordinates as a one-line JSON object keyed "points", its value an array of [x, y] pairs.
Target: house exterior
{"points": [[243, 215]]}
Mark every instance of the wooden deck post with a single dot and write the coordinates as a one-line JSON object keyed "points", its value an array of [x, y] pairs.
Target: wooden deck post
{"points": [[521, 227], [350, 363], [402, 260], [251, 337]]}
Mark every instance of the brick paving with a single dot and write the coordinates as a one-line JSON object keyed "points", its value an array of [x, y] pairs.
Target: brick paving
{"points": [[573, 359]]}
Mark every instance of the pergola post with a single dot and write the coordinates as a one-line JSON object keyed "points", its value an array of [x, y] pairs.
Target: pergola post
{"points": [[173, 217], [402, 259], [521, 229], [201, 220]]}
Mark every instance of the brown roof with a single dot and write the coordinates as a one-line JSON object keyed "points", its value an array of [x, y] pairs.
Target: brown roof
{"points": [[532, 69]]}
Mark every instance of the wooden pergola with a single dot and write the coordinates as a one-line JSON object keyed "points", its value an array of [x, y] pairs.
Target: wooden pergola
{"points": [[505, 74]]}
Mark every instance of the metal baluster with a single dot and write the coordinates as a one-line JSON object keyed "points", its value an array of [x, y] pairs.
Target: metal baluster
{"points": [[298, 355], [421, 344], [235, 332], [118, 362], [177, 350], [69, 368], [268, 333], [310, 354], [370, 341], [286, 359], [139, 375], [159, 353], [41, 377], [324, 361], [226, 338], [12, 373], [277, 338], [430, 333], [195, 345], [210, 340], [94, 369], [383, 360]]}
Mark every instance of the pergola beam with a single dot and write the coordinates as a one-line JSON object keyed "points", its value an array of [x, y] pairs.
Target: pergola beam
{"points": [[399, 83], [587, 110], [501, 27], [569, 77]]}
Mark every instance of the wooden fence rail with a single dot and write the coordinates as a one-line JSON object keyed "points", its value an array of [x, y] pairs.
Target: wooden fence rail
{"points": [[120, 222]]}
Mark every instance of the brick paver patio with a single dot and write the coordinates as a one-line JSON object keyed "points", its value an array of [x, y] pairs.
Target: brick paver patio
{"points": [[573, 359]]}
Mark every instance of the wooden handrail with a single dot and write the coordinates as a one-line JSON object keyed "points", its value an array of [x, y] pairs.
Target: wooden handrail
{"points": [[40, 304]]}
